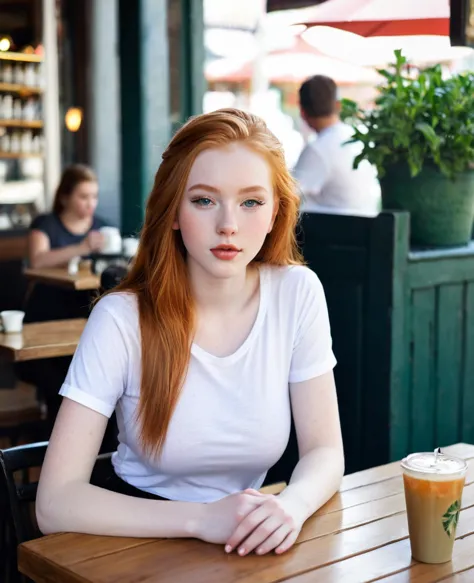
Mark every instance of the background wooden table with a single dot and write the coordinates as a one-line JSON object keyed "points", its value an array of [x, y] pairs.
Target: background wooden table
{"points": [[43, 340], [360, 535], [83, 280]]}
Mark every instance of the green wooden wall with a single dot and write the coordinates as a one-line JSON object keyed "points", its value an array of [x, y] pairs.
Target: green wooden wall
{"points": [[146, 126], [403, 333], [440, 337]]}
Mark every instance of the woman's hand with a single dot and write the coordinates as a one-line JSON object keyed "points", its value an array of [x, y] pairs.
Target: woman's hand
{"points": [[220, 519], [93, 242], [273, 525]]}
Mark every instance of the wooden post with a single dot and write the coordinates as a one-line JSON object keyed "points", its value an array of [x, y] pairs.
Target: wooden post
{"points": [[52, 165], [193, 83], [144, 71]]}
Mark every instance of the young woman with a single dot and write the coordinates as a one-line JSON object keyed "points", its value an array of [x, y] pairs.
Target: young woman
{"points": [[72, 229], [216, 330]]}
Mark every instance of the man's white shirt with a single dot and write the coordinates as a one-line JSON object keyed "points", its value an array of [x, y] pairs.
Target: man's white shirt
{"points": [[327, 178]]}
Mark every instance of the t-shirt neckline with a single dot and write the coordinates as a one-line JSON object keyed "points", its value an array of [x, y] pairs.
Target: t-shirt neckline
{"points": [[78, 235], [203, 355]]}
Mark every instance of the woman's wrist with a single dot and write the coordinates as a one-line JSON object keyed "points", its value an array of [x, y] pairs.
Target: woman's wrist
{"points": [[194, 519], [83, 248], [292, 496]]}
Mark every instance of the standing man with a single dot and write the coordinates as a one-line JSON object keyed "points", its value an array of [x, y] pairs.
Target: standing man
{"points": [[324, 170]]}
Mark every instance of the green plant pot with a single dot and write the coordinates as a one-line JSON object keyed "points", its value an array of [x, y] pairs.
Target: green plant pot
{"points": [[441, 210]]}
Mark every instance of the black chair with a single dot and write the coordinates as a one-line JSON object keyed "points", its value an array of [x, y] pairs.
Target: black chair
{"points": [[282, 470], [17, 501]]}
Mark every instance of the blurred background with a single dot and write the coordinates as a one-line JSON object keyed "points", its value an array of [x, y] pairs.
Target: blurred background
{"points": [[107, 82]]}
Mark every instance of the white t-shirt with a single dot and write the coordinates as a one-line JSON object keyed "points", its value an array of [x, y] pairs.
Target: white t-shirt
{"points": [[232, 420], [328, 180]]}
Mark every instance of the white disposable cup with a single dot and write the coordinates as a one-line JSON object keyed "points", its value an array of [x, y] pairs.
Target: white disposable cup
{"points": [[112, 240], [129, 246], [11, 321]]}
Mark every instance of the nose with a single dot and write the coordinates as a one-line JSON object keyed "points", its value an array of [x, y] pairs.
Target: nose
{"points": [[227, 224]]}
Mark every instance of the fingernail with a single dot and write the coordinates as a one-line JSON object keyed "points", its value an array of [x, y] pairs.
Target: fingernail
{"points": [[259, 551], [228, 549], [242, 551]]}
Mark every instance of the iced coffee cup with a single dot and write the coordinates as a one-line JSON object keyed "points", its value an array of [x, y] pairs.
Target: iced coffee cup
{"points": [[433, 489]]}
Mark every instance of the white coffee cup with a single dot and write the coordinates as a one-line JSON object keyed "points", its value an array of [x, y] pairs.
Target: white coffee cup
{"points": [[112, 240], [11, 321], [129, 246]]}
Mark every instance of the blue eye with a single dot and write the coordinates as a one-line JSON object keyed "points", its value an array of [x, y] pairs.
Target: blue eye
{"points": [[252, 203], [202, 201]]}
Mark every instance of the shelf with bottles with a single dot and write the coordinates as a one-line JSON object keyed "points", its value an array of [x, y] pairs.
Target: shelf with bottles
{"points": [[20, 57], [19, 155], [20, 89], [35, 124], [20, 143], [21, 72]]}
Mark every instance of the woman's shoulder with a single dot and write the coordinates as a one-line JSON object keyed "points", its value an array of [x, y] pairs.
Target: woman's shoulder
{"points": [[291, 278], [44, 222], [118, 304]]}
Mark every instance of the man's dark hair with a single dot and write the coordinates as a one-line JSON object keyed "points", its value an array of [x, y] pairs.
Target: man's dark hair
{"points": [[318, 96]]}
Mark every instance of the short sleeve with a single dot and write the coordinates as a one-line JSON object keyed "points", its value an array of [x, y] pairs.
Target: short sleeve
{"points": [[98, 373], [312, 348], [41, 223]]}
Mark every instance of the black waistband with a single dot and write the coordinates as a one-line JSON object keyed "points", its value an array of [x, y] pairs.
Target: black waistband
{"points": [[115, 484]]}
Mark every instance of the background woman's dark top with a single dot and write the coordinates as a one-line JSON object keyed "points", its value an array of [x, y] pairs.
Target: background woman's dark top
{"points": [[48, 302]]}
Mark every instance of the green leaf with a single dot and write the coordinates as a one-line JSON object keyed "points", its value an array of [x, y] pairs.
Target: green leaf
{"points": [[428, 132], [451, 518]]}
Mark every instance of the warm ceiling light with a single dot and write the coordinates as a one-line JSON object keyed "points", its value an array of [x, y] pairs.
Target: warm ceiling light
{"points": [[5, 43], [73, 118]]}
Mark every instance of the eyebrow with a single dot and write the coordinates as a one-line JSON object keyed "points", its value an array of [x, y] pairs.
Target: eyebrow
{"points": [[214, 190]]}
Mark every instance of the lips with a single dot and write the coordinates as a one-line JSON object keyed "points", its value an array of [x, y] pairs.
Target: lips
{"points": [[225, 247], [225, 252]]}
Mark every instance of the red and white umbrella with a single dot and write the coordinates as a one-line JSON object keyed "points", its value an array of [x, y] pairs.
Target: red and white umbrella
{"points": [[379, 17]]}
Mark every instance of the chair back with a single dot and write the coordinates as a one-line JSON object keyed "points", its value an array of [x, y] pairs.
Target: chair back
{"points": [[18, 495]]}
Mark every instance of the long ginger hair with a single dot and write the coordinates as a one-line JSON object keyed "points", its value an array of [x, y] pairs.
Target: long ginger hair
{"points": [[159, 276]]}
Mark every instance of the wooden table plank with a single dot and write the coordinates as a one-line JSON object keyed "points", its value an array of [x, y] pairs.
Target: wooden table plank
{"points": [[59, 276], [345, 530], [464, 577], [211, 564], [392, 558], [43, 340]]}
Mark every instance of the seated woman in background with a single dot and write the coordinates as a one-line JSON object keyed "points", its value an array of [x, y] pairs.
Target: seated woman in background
{"points": [[217, 334], [70, 230]]}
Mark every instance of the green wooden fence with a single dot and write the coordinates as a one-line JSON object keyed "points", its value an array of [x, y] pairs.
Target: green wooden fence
{"points": [[403, 331]]}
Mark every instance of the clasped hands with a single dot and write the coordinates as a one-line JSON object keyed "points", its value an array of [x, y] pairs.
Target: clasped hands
{"points": [[252, 521]]}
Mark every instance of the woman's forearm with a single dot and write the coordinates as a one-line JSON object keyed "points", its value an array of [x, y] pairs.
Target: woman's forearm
{"points": [[81, 507], [315, 479], [56, 257]]}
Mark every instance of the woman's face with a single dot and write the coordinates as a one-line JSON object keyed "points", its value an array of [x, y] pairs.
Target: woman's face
{"points": [[227, 210], [82, 202]]}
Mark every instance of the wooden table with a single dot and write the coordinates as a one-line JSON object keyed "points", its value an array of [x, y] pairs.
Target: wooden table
{"points": [[59, 276], [360, 535], [42, 340]]}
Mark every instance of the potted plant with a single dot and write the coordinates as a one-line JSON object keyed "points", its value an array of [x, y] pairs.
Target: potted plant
{"points": [[420, 136]]}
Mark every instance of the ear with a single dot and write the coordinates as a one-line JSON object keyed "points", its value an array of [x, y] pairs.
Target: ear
{"points": [[175, 225]]}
